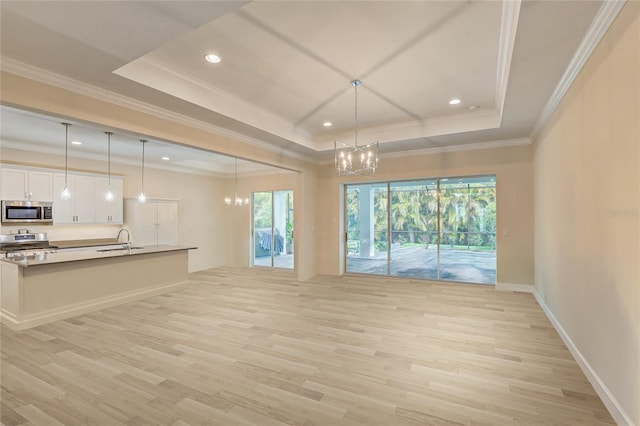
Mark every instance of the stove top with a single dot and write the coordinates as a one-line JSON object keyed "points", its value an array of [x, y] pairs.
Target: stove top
{"points": [[24, 240]]}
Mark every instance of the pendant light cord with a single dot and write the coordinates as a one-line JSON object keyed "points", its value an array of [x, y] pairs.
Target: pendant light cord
{"points": [[236, 179], [142, 180], [109, 155], [66, 150]]}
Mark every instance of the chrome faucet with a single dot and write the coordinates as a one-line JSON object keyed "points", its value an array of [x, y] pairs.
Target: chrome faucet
{"points": [[128, 243]]}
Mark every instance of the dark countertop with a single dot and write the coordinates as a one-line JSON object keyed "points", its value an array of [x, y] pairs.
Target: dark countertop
{"points": [[75, 256]]}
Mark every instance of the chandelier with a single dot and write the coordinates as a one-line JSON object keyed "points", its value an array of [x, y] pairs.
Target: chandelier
{"points": [[237, 200], [354, 159]]}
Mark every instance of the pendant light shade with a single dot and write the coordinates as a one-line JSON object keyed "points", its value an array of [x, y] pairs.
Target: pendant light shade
{"points": [[66, 193], [141, 197], [109, 194], [236, 201], [354, 159]]}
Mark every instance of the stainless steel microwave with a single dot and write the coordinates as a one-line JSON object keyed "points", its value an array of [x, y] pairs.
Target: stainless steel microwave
{"points": [[27, 212]]}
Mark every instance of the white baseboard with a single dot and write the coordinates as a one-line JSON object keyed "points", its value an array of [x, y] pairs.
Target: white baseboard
{"points": [[522, 288], [617, 412], [17, 324]]}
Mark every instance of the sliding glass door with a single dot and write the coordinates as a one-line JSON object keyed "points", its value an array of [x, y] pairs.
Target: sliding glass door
{"points": [[272, 242], [414, 229], [367, 229], [438, 229], [468, 230]]}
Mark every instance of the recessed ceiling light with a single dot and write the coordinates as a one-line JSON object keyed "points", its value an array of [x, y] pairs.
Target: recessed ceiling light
{"points": [[76, 143], [474, 107], [166, 158], [455, 101], [327, 124], [214, 59]]}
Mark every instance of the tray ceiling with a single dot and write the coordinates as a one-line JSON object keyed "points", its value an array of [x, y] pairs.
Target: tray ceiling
{"points": [[286, 66]]}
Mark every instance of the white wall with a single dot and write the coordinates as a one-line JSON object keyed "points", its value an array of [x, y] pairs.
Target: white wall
{"points": [[587, 216], [200, 199]]}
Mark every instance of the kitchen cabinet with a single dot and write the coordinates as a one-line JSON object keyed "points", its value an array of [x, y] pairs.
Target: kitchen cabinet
{"points": [[24, 184], [79, 207], [153, 222], [107, 211]]}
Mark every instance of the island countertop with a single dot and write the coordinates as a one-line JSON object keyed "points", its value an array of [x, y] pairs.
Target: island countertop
{"points": [[89, 254]]}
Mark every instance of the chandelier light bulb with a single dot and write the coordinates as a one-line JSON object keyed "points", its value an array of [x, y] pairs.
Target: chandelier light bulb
{"points": [[236, 201]]}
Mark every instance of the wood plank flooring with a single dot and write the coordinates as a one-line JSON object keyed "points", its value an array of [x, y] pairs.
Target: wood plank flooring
{"points": [[256, 347]]}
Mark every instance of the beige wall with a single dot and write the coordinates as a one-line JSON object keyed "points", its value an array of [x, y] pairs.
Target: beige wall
{"points": [[20, 92], [587, 212], [513, 168], [200, 200]]}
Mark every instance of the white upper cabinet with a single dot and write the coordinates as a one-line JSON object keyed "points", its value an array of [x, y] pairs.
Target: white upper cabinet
{"points": [[25, 184], [107, 211], [79, 207], [87, 203]]}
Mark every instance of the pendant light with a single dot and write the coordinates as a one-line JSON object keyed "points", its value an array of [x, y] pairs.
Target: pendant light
{"points": [[354, 159], [141, 196], [109, 194], [66, 193], [237, 201]]}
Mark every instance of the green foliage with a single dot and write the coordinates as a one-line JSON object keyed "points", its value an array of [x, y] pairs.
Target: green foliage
{"points": [[467, 214], [262, 209]]}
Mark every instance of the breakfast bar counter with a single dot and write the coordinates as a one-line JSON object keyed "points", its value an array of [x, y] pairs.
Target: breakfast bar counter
{"points": [[42, 288], [88, 254]]}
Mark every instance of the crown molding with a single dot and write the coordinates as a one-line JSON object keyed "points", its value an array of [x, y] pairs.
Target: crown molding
{"points": [[57, 80], [465, 147], [453, 148], [389, 134], [599, 27], [508, 30]]}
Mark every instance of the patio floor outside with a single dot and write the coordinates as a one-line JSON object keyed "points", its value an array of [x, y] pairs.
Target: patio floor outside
{"points": [[414, 262], [422, 262]]}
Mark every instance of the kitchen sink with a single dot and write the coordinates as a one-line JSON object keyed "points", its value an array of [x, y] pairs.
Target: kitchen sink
{"points": [[120, 249]]}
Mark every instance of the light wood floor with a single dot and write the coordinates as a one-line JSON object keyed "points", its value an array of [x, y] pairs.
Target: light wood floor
{"points": [[241, 346]]}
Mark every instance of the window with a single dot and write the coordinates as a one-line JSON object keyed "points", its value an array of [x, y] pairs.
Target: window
{"points": [[439, 229]]}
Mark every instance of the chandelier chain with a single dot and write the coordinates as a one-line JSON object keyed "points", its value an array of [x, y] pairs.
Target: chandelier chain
{"points": [[356, 84]]}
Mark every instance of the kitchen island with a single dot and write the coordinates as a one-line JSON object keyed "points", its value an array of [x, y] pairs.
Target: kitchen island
{"points": [[48, 287]]}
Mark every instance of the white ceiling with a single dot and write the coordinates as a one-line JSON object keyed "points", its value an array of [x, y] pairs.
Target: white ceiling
{"points": [[286, 66]]}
